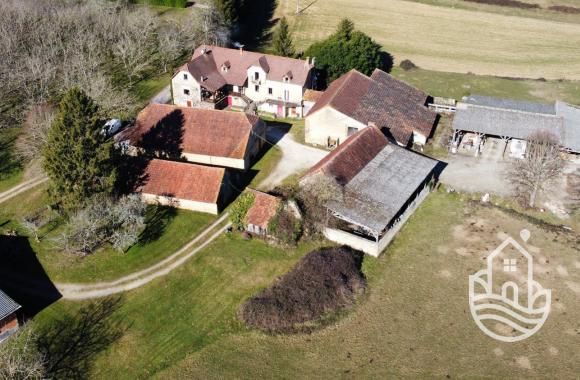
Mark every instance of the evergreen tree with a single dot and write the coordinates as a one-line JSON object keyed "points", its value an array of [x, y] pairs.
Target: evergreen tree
{"points": [[345, 50], [78, 158], [229, 10], [283, 44]]}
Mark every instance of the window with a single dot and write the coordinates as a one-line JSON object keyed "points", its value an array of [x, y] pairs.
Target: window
{"points": [[286, 95], [351, 131], [270, 91], [186, 91], [185, 76], [509, 265], [256, 75], [257, 88]]}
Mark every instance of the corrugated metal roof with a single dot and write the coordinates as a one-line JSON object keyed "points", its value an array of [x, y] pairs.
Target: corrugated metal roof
{"points": [[571, 116], [7, 305], [510, 104], [382, 188]]}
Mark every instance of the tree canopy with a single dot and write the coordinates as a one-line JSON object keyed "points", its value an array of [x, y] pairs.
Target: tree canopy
{"points": [[345, 50], [283, 44], [78, 158], [230, 10]]}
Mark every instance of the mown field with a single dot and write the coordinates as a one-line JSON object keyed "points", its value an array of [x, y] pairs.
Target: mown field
{"points": [[449, 39]]}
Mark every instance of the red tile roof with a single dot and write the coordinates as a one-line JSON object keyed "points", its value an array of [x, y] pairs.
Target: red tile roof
{"points": [[346, 161], [208, 66], [263, 210], [182, 180], [170, 128], [390, 104]]}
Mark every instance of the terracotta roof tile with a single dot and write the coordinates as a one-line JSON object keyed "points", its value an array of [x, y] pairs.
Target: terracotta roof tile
{"points": [[182, 181], [170, 128], [393, 106], [208, 65], [346, 161], [263, 210]]}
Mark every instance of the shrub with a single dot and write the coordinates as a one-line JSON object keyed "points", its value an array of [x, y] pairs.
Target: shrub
{"points": [[240, 208], [407, 65], [285, 226], [323, 282]]}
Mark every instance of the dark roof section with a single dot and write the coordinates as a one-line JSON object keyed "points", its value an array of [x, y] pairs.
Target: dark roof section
{"points": [[346, 161], [166, 127], [182, 180], [7, 305], [393, 106], [509, 104], [207, 62]]}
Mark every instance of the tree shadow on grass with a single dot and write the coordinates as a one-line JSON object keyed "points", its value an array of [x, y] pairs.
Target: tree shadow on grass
{"points": [[157, 219], [9, 163], [71, 344]]}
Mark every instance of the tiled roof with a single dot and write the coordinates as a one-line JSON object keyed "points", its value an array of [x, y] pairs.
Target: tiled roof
{"points": [[393, 106], [346, 161], [207, 62], [263, 209], [312, 95], [377, 177], [182, 181], [7, 305], [170, 128]]}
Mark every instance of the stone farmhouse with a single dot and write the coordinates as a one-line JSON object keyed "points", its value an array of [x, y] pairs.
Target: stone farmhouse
{"points": [[218, 77], [480, 117], [378, 186], [8, 318], [210, 137], [355, 101]]}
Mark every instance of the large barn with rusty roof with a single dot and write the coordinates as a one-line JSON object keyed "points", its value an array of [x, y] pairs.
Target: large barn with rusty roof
{"points": [[355, 101]]}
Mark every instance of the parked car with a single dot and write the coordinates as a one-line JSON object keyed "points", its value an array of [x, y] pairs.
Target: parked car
{"points": [[111, 127]]}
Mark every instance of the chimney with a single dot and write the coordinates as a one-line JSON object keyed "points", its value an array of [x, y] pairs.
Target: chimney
{"points": [[201, 79], [313, 60], [241, 49], [307, 63]]}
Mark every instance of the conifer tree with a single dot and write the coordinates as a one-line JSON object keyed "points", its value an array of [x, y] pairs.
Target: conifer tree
{"points": [[283, 44], [229, 10], [78, 158]]}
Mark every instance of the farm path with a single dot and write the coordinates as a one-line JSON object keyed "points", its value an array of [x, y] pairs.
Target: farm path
{"points": [[296, 157], [22, 187]]}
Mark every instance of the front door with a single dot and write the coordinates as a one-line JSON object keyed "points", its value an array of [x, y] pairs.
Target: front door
{"points": [[189, 104], [280, 110]]}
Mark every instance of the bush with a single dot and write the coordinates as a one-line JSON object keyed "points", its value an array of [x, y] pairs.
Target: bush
{"points": [[323, 282], [285, 226], [407, 65], [240, 208]]}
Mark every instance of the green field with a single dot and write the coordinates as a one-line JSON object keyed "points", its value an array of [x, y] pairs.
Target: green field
{"points": [[444, 38], [413, 321]]}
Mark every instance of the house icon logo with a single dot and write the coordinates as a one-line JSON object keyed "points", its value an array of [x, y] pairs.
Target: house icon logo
{"points": [[506, 302]]}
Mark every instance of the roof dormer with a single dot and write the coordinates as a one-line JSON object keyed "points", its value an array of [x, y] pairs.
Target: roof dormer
{"points": [[226, 66], [287, 77]]}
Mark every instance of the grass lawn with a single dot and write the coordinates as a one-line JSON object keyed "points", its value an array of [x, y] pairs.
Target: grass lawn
{"points": [[169, 230], [265, 166], [413, 322], [456, 85], [10, 167], [449, 39]]}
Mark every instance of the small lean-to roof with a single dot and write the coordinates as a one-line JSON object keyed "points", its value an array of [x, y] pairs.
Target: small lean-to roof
{"points": [[263, 209], [390, 104], [165, 127], [350, 157], [182, 180], [207, 62], [7, 305]]}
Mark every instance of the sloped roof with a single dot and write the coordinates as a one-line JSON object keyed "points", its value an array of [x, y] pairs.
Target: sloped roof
{"points": [[346, 161], [182, 180], [493, 116], [381, 99], [312, 95], [207, 61], [377, 177], [263, 209], [7, 305], [215, 133]]}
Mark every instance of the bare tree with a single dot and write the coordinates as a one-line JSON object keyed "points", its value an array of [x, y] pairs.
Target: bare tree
{"points": [[35, 134], [20, 357], [541, 165]]}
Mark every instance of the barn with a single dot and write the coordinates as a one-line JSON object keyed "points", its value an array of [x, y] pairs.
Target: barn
{"points": [[8, 318]]}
